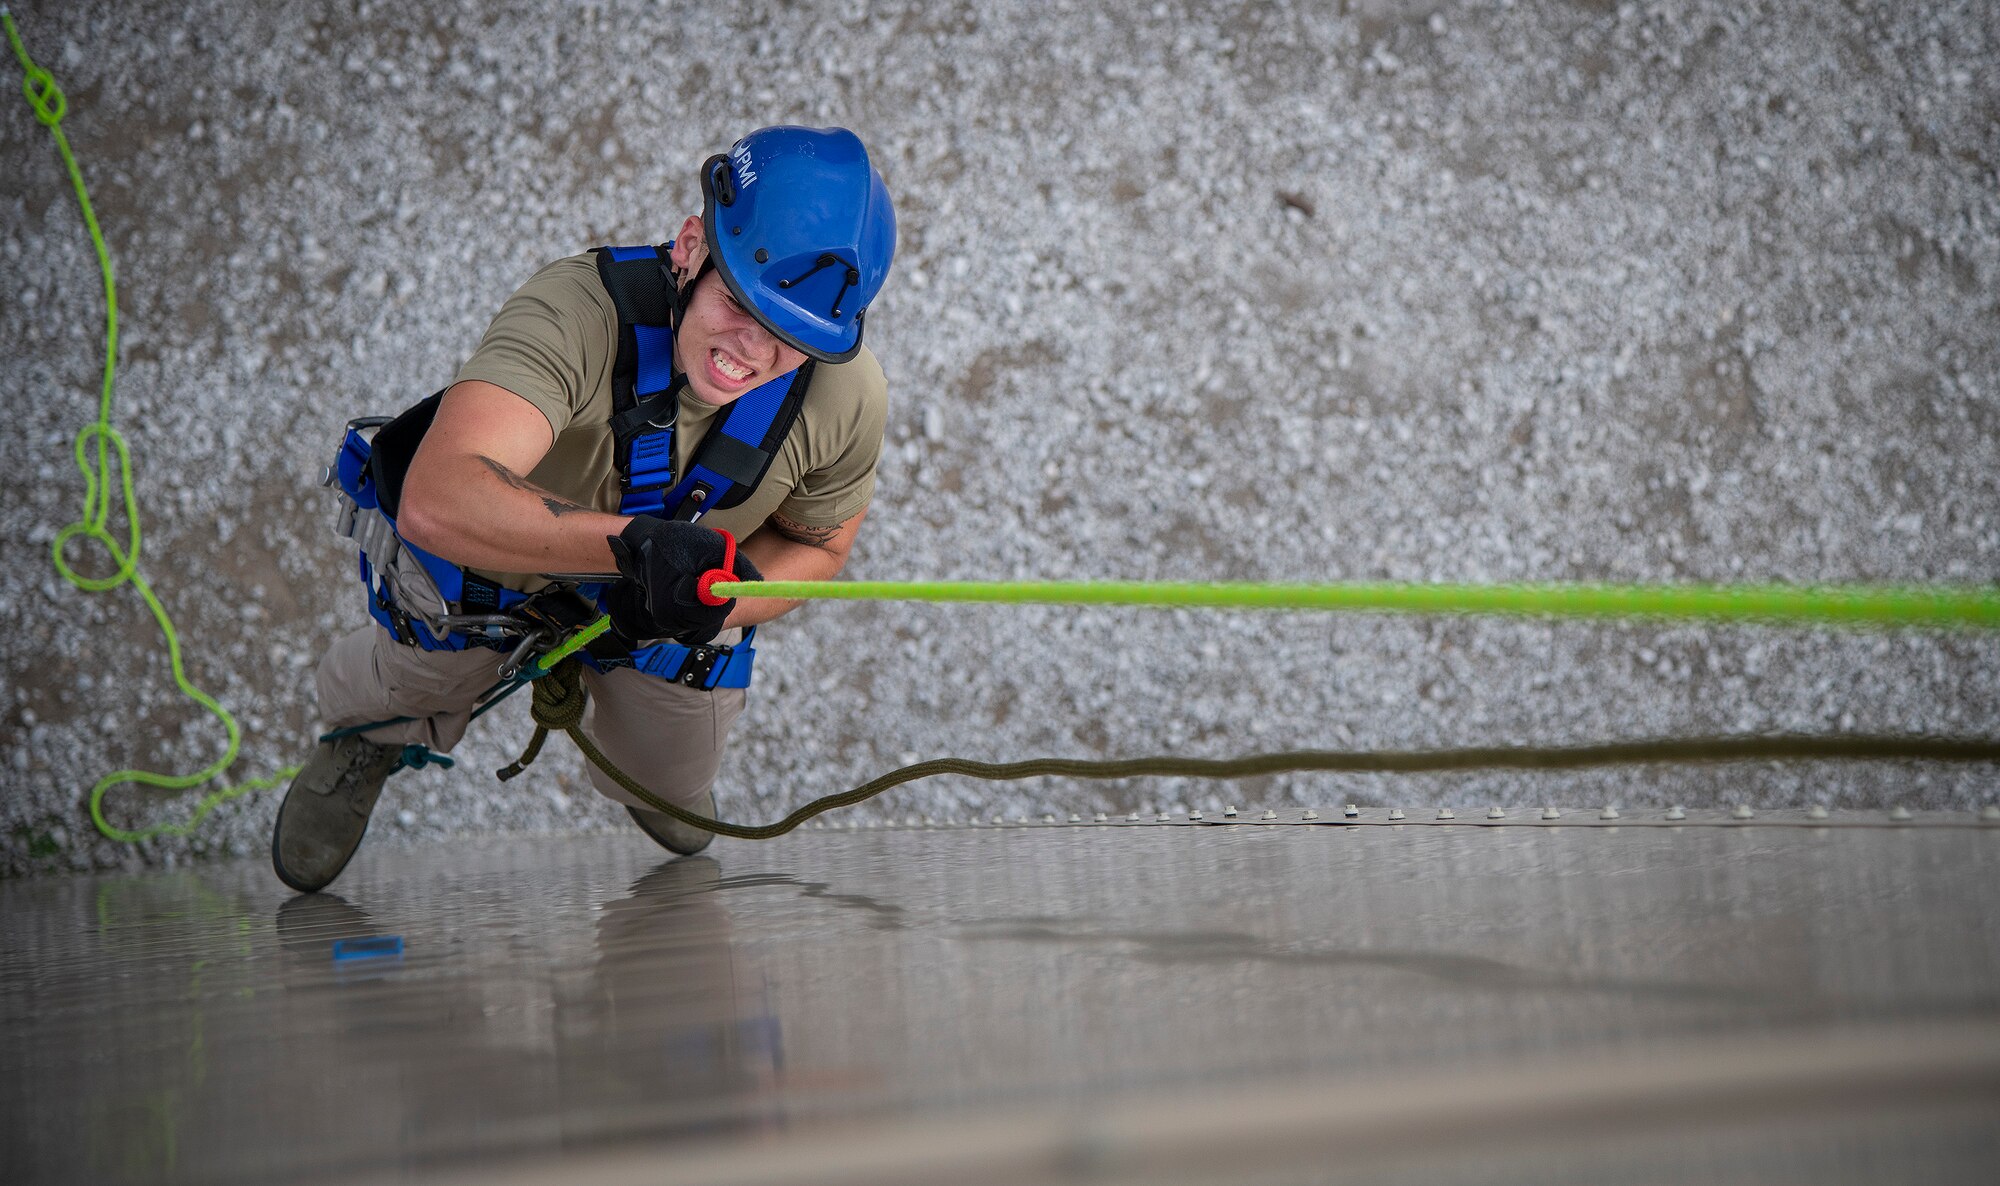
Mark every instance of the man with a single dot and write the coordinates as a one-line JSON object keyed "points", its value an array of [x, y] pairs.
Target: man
{"points": [[566, 444]]}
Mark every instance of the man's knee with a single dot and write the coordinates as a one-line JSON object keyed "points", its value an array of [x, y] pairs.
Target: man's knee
{"points": [[667, 738]]}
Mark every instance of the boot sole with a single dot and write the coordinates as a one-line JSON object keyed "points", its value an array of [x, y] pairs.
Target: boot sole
{"points": [[303, 885]]}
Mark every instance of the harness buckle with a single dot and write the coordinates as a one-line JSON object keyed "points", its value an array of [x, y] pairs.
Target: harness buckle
{"points": [[699, 665]]}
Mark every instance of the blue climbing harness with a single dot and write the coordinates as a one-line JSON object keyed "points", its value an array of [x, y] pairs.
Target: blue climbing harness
{"points": [[410, 591]]}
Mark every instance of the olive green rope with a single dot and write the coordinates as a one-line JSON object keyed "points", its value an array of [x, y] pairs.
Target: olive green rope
{"points": [[1829, 605], [49, 104], [560, 699]]}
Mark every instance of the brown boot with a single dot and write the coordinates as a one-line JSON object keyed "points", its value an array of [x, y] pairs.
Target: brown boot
{"points": [[326, 811], [673, 835]]}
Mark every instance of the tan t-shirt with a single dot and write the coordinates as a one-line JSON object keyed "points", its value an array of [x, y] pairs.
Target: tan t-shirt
{"points": [[554, 343]]}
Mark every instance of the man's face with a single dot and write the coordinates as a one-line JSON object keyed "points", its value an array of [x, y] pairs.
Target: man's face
{"points": [[723, 350]]}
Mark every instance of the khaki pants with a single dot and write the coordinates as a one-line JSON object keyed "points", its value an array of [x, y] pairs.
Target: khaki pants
{"points": [[667, 737]]}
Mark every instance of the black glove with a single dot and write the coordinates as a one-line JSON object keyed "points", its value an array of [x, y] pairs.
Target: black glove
{"points": [[663, 562]]}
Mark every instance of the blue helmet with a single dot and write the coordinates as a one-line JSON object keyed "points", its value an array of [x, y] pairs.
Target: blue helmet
{"points": [[800, 227]]}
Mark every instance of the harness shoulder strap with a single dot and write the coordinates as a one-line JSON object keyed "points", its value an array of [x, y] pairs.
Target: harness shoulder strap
{"points": [[643, 388], [737, 452]]}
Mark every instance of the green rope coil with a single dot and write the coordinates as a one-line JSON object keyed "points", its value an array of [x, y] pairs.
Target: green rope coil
{"points": [[1828, 605], [50, 105]]}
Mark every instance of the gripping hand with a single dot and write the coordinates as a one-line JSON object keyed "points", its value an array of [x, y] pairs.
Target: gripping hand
{"points": [[666, 566]]}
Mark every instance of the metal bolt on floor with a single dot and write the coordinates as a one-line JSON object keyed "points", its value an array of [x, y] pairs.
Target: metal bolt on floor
{"points": [[1350, 811], [1551, 813], [1816, 812], [1609, 812], [1677, 812], [1900, 813], [1446, 813], [1495, 813], [1395, 813]]}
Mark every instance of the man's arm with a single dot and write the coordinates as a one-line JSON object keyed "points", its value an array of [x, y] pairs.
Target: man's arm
{"points": [[784, 550], [465, 498]]}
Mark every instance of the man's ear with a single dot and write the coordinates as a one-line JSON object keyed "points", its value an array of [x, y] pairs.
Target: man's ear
{"points": [[690, 250]]}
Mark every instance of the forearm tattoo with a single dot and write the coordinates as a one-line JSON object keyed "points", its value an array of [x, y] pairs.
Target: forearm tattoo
{"points": [[557, 506], [800, 533]]}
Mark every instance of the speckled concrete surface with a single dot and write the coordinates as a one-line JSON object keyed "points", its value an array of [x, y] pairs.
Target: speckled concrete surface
{"points": [[1270, 290]]}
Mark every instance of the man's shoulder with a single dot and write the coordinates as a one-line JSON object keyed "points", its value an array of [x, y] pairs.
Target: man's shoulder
{"points": [[572, 279], [853, 389]]}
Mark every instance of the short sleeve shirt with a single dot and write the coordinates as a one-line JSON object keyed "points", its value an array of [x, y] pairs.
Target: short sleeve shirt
{"points": [[554, 343]]}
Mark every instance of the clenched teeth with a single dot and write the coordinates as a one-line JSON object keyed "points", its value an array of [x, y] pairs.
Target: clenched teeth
{"points": [[728, 366]]}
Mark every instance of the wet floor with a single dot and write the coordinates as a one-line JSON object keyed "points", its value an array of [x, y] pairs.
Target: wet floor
{"points": [[584, 1007]]}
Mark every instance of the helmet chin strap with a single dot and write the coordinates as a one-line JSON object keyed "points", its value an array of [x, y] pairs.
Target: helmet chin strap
{"points": [[684, 291], [677, 310]]}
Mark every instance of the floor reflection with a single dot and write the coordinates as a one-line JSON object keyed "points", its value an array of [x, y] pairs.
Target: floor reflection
{"points": [[671, 1012], [546, 997]]}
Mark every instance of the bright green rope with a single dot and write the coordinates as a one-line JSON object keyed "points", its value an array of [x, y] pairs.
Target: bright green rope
{"points": [[1836, 605], [49, 104]]}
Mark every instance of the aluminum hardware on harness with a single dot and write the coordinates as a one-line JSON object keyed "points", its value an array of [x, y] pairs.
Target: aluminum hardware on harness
{"points": [[536, 639], [468, 622]]}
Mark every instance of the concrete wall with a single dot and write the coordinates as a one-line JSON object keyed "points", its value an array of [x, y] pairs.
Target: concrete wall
{"points": [[1253, 291]]}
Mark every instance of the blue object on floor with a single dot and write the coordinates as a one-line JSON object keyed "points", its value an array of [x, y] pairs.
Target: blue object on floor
{"points": [[367, 948]]}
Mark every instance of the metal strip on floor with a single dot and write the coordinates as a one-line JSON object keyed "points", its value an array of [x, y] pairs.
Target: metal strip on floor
{"points": [[1608, 816]]}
